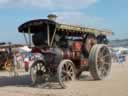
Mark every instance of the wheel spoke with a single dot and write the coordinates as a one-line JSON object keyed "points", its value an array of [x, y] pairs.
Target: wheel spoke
{"points": [[98, 66], [35, 67], [67, 66], [107, 63], [40, 66], [107, 55], [70, 76], [71, 69], [64, 77], [106, 66], [103, 50], [64, 72], [101, 54], [102, 72]]}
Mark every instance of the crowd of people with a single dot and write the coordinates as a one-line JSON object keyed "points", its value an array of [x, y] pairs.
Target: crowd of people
{"points": [[120, 55]]}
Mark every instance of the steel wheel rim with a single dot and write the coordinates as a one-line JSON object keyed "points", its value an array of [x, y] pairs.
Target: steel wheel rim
{"points": [[67, 73], [37, 71], [103, 62], [66, 76]]}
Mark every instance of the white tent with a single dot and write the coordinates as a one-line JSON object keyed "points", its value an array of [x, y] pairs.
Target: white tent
{"points": [[25, 48], [120, 49]]}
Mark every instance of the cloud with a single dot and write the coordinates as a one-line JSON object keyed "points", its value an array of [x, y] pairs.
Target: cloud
{"points": [[79, 18], [49, 4], [68, 11]]}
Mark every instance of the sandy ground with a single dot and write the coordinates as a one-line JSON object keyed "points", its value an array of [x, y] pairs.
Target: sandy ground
{"points": [[115, 85]]}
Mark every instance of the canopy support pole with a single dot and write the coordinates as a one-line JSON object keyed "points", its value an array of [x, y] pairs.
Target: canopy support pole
{"points": [[48, 34], [29, 31], [53, 36], [25, 38]]}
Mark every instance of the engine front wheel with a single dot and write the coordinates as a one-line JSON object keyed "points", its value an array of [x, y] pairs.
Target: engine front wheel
{"points": [[37, 71], [65, 72]]}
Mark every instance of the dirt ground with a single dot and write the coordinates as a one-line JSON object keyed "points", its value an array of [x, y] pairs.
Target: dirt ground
{"points": [[115, 85]]}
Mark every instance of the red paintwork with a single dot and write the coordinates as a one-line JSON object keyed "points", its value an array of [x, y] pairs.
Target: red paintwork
{"points": [[36, 50]]}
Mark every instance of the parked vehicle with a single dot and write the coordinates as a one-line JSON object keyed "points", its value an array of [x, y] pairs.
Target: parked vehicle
{"points": [[7, 53], [67, 50]]}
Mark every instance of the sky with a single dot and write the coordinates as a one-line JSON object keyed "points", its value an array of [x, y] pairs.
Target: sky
{"points": [[101, 14]]}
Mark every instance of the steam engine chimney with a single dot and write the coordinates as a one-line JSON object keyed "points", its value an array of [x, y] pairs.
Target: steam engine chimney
{"points": [[52, 17]]}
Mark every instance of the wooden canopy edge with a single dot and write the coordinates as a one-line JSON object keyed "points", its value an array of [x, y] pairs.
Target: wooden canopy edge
{"points": [[65, 27], [76, 28], [35, 22]]}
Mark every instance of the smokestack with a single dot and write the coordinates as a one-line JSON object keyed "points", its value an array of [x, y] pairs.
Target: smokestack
{"points": [[52, 17]]}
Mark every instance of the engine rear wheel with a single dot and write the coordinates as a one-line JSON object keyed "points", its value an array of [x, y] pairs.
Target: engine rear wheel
{"points": [[99, 61]]}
